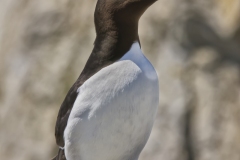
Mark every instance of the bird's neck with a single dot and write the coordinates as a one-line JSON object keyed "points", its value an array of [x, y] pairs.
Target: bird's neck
{"points": [[112, 42]]}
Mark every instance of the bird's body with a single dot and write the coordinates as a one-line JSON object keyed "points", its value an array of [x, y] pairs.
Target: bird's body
{"points": [[109, 112], [114, 112]]}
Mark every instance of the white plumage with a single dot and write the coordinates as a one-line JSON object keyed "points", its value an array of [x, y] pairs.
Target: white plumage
{"points": [[114, 112]]}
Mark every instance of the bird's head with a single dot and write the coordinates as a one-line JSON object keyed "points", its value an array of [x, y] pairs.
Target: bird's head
{"points": [[121, 12]]}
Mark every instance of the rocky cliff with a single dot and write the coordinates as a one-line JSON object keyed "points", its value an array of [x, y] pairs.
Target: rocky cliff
{"points": [[195, 46]]}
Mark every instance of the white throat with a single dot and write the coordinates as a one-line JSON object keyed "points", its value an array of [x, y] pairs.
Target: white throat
{"points": [[136, 55]]}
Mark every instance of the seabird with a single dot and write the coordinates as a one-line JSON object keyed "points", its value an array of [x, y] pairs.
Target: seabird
{"points": [[109, 111]]}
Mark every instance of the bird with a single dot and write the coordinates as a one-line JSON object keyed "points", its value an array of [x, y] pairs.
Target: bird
{"points": [[109, 111]]}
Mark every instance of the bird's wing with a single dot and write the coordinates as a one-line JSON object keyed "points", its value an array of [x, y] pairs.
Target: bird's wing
{"points": [[64, 113]]}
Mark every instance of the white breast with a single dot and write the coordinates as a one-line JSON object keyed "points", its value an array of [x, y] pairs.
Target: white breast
{"points": [[113, 114]]}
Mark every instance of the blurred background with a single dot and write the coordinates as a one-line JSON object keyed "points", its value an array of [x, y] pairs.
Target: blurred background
{"points": [[193, 44]]}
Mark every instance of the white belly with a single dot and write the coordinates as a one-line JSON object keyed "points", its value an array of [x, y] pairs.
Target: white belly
{"points": [[114, 113]]}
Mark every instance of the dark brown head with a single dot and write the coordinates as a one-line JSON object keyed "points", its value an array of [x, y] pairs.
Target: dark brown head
{"points": [[112, 14]]}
